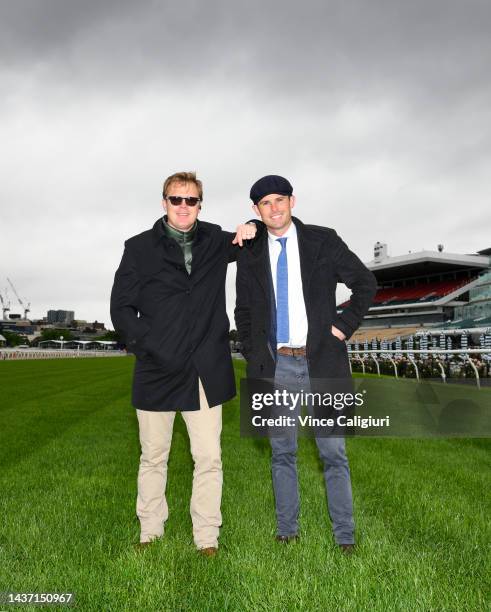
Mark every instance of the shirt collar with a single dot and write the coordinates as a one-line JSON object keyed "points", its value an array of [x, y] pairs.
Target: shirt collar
{"points": [[291, 232]]}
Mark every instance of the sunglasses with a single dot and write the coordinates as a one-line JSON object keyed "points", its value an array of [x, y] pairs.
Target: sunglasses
{"points": [[177, 200]]}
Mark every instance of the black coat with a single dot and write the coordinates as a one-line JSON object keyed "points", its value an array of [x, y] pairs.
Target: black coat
{"points": [[174, 322], [325, 260]]}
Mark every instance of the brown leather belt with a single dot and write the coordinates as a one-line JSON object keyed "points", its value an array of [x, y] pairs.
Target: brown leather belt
{"points": [[293, 352]]}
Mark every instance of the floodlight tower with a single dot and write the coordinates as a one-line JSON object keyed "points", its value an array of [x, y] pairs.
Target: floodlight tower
{"points": [[26, 308]]}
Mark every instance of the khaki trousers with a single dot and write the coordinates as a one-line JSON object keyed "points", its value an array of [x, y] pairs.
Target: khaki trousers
{"points": [[204, 428]]}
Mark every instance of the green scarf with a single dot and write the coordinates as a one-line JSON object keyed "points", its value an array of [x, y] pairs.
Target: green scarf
{"points": [[184, 240]]}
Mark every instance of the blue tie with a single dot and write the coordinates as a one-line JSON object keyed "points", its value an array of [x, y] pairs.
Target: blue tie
{"points": [[282, 322]]}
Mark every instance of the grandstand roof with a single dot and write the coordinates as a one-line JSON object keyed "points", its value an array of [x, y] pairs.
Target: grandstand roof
{"points": [[423, 263]]}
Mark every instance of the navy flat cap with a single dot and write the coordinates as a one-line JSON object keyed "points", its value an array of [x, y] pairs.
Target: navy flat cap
{"points": [[270, 184]]}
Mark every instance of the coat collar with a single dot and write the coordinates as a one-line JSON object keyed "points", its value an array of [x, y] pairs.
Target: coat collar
{"points": [[308, 245]]}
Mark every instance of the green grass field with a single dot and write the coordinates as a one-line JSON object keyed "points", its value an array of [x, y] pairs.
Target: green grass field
{"points": [[69, 457]]}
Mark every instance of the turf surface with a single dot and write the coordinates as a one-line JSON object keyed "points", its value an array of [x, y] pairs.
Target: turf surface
{"points": [[69, 455]]}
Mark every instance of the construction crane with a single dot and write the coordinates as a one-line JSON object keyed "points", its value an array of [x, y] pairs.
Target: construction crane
{"points": [[5, 306], [26, 308]]}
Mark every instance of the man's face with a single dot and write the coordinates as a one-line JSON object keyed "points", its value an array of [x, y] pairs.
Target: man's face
{"points": [[181, 216], [275, 211]]}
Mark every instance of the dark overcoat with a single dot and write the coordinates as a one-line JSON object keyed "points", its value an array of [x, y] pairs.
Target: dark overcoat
{"points": [[174, 322], [325, 260]]}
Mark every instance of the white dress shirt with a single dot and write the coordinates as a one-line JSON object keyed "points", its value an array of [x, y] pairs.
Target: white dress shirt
{"points": [[297, 315]]}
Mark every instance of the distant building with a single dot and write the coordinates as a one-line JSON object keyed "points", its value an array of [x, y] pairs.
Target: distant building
{"points": [[79, 324], [22, 327], [64, 317]]}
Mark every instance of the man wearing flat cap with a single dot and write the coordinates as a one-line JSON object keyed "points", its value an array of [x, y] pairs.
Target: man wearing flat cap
{"points": [[291, 333]]}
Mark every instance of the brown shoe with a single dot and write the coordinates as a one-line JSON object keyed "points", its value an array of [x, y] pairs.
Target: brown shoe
{"points": [[286, 539], [347, 549], [211, 551]]}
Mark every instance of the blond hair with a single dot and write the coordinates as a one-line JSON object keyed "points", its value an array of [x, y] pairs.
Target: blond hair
{"points": [[183, 177]]}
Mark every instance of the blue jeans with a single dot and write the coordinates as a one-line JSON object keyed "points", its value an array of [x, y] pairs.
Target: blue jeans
{"points": [[292, 374]]}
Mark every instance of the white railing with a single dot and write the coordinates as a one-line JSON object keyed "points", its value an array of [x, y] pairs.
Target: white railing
{"points": [[433, 355], [13, 354]]}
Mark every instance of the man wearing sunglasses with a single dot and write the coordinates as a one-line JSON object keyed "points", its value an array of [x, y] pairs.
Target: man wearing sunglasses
{"points": [[291, 333], [168, 304]]}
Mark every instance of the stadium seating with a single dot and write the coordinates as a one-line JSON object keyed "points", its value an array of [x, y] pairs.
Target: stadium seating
{"points": [[423, 292], [468, 323]]}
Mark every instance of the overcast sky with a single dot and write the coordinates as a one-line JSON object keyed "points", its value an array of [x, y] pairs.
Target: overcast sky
{"points": [[379, 113]]}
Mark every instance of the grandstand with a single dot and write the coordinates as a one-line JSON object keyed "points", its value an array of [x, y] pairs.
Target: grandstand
{"points": [[383, 333], [431, 290]]}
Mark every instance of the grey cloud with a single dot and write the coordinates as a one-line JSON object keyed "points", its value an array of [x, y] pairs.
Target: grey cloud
{"points": [[377, 111], [424, 48]]}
